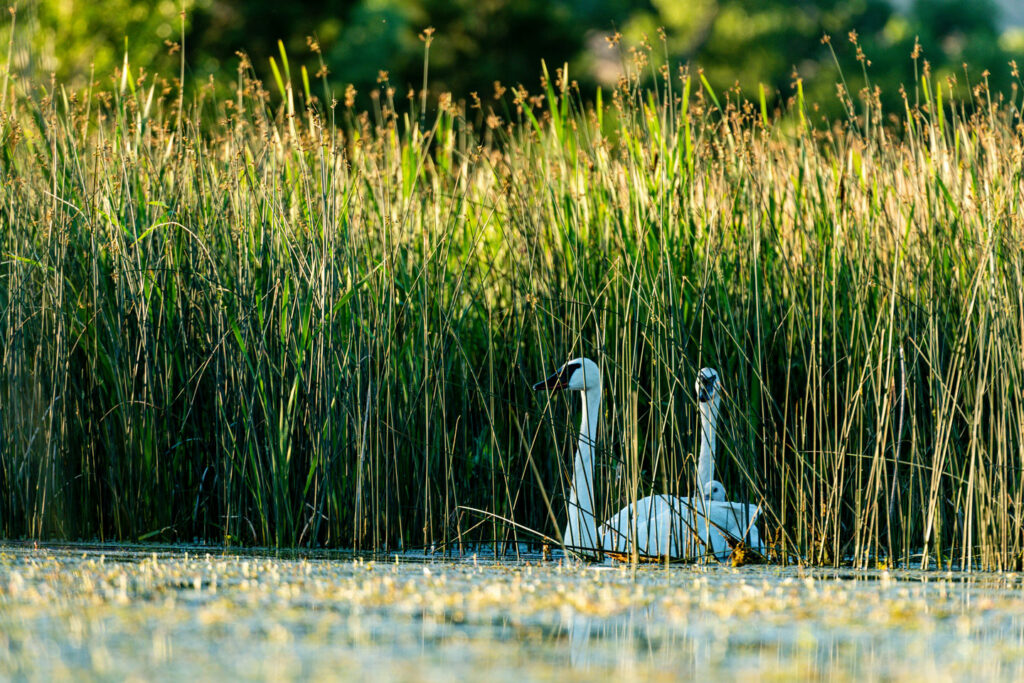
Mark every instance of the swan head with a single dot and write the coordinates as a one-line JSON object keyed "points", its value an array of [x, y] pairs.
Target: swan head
{"points": [[709, 387], [714, 491], [579, 374]]}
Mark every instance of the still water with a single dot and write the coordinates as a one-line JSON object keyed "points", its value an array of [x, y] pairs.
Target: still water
{"points": [[163, 613]]}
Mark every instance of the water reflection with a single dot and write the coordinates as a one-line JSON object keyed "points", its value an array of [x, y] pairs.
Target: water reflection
{"points": [[809, 625], [956, 626]]}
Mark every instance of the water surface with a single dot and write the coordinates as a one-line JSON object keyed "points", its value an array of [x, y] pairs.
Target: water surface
{"points": [[156, 613]]}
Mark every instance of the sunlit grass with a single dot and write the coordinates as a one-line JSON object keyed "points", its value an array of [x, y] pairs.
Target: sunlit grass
{"points": [[274, 319]]}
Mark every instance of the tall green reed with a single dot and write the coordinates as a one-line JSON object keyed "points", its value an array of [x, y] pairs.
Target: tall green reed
{"points": [[277, 319]]}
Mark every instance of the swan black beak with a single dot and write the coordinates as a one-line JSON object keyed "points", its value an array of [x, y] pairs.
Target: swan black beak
{"points": [[557, 381]]}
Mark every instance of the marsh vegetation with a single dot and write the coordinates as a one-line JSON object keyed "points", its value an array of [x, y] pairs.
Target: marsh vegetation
{"points": [[269, 318]]}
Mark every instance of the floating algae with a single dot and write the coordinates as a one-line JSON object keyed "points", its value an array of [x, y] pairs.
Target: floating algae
{"points": [[68, 612]]}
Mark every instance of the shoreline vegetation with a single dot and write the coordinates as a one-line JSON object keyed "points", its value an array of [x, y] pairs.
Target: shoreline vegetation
{"points": [[268, 318]]}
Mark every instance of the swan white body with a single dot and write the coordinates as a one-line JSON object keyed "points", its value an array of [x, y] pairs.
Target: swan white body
{"points": [[680, 527], [657, 525]]}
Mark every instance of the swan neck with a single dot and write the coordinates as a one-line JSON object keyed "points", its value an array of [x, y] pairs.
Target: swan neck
{"points": [[581, 530], [706, 460], [591, 415]]}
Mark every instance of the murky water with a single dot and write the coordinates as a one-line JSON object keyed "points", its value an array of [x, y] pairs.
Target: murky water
{"points": [[68, 612]]}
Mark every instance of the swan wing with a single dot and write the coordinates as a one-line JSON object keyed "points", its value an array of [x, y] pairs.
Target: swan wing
{"points": [[737, 520], [664, 525], [619, 535]]}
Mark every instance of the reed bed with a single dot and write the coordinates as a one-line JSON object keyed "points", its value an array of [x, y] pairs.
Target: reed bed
{"points": [[251, 315]]}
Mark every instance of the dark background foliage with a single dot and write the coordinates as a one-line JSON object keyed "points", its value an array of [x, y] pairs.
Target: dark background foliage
{"points": [[744, 42]]}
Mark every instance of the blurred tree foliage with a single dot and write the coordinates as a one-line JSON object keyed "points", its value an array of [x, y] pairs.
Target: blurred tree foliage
{"points": [[745, 42]]}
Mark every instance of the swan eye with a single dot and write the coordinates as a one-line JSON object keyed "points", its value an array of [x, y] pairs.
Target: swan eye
{"points": [[568, 370]]}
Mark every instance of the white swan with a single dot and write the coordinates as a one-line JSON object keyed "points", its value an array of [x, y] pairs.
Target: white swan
{"points": [[660, 525]]}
